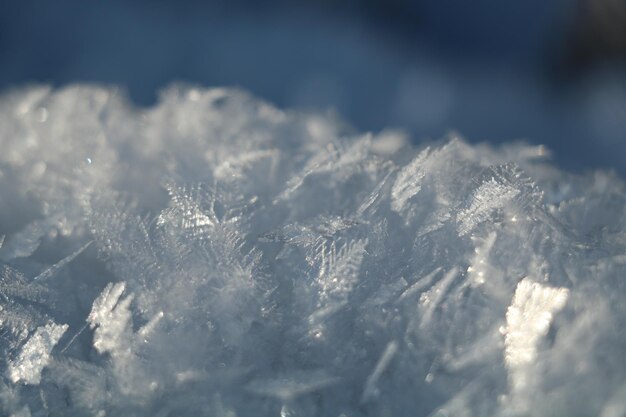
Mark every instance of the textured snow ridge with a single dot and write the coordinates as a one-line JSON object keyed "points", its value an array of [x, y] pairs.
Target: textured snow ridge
{"points": [[216, 256]]}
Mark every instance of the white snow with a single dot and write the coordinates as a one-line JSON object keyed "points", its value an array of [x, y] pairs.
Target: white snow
{"points": [[528, 320], [214, 255], [35, 354]]}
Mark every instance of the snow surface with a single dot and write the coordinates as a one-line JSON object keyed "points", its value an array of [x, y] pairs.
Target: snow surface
{"points": [[216, 256]]}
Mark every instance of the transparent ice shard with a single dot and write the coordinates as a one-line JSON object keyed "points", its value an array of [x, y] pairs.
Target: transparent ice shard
{"points": [[54, 269], [342, 160], [307, 234], [293, 385], [339, 269], [374, 199], [408, 182], [431, 299], [489, 196], [194, 219], [419, 285], [371, 390]]}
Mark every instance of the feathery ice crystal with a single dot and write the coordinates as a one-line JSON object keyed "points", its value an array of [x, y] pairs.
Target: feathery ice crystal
{"points": [[216, 256]]}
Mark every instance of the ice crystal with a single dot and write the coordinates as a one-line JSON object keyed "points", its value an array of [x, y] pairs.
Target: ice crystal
{"points": [[35, 354], [214, 255]]}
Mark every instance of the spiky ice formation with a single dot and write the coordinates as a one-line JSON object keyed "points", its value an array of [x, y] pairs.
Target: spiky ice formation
{"points": [[216, 256]]}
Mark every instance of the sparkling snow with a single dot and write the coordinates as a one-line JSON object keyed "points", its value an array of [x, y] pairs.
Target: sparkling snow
{"points": [[216, 256]]}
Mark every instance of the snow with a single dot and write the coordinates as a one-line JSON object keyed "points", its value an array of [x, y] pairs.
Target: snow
{"points": [[35, 355], [214, 255], [528, 321]]}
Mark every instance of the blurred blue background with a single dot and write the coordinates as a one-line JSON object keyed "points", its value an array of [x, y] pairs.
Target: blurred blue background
{"points": [[545, 71]]}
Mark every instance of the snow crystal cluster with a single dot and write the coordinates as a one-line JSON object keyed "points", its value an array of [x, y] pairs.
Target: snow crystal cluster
{"points": [[215, 256]]}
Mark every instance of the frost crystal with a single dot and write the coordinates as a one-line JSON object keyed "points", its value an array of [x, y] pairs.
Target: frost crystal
{"points": [[487, 198], [35, 355], [216, 256], [528, 320], [110, 317]]}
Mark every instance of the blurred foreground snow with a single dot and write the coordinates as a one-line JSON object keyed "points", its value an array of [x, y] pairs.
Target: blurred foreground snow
{"points": [[216, 256]]}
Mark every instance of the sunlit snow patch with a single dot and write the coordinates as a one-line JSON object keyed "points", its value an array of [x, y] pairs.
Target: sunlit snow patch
{"points": [[528, 320]]}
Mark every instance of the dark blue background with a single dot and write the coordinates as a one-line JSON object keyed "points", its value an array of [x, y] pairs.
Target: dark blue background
{"points": [[494, 71]]}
